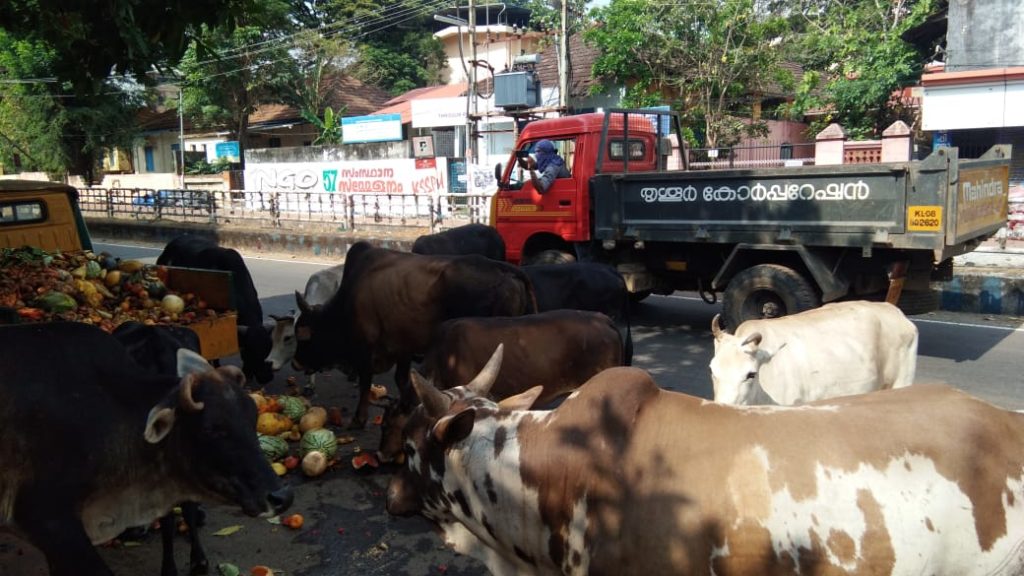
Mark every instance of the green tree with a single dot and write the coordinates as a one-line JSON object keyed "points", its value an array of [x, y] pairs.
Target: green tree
{"points": [[49, 127], [90, 39], [705, 58], [394, 43], [546, 15], [231, 70], [856, 60], [329, 126]]}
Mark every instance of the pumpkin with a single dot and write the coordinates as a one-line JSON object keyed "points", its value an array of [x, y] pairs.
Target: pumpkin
{"points": [[272, 423]]}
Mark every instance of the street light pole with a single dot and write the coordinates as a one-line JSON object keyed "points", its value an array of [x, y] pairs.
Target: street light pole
{"points": [[471, 117]]}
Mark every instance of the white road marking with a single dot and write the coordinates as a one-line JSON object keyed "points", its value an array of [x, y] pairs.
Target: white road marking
{"points": [[252, 256]]}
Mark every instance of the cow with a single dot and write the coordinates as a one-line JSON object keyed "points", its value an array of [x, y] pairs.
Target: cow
{"points": [[191, 251], [388, 306], [91, 444], [839, 349], [582, 286], [462, 240], [561, 349], [321, 285], [155, 349], [627, 478]]}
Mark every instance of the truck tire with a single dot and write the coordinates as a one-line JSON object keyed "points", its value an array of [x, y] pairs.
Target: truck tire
{"points": [[550, 257], [638, 297], [919, 301], [766, 291]]}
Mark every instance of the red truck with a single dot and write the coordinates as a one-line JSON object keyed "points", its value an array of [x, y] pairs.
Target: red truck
{"points": [[771, 241]]}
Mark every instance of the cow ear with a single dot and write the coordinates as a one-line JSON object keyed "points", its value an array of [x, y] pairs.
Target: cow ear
{"points": [[716, 328], [300, 300], [452, 429], [159, 424], [191, 363], [481, 384], [434, 402], [521, 401], [754, 340]]}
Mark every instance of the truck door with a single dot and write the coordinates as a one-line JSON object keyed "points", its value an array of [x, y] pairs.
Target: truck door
{"points": [[554, 211]]}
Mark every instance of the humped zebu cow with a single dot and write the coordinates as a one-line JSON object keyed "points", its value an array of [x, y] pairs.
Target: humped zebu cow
{"points": [[388, 306], [582, 286], [191, 251], [91, 444], [627, 478], [560, 349], [462, 240], [320, 286], [155, 349], [839, 349]]}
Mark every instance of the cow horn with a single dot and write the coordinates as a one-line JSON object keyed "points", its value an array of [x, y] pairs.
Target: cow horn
{"points": [[300, 300], [434, 402], [716, 329], [187, 401], [754, 339], [481, 384]]}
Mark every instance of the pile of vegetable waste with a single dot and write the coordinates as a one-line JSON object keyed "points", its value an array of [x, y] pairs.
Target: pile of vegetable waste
{"points": [[98, 289]]}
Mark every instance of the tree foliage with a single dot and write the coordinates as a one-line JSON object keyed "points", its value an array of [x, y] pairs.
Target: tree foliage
{"points": [[49, 127], [229, 71], [855, 60], [90, 39], [704, 57]]}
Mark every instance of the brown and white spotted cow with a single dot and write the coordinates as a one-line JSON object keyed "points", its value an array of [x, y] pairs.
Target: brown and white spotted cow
{"points": [[627, 478]]}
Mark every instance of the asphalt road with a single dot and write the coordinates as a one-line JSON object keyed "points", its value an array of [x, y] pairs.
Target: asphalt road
{"points": [[347, 530]]}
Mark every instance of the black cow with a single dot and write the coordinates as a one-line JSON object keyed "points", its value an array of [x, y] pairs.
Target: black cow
{"points": [[388, 306], [559, 350], [91, 444], [582, 286], [462, 240], [155, 349], [253, 338]]}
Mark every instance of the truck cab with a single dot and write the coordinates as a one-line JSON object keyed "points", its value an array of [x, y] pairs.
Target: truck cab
{"points": [[545, 227], [41, 214]]}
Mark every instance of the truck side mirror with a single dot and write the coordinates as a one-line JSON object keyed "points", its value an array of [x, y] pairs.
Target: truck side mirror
{"points": [[497, 176]]}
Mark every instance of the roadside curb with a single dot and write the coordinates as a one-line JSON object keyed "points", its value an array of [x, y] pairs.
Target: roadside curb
{"points": [[984, 291]]}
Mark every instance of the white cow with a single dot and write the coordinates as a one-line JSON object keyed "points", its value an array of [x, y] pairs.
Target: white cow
{"points": [[839, 349], [320, 287]]}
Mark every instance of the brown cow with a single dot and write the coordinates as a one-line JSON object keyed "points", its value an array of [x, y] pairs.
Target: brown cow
{"points": [[626, 478], [388, 305], [561, 349]]}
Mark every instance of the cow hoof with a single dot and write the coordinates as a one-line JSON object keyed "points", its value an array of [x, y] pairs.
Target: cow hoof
{"points": [[199, 569]]}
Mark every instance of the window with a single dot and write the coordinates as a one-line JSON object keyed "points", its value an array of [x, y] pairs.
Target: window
{"points": [[565, 148], [22, 212], [274, 142], [637, 149]]}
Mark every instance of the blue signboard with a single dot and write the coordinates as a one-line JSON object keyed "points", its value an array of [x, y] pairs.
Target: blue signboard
{"points": [[941, 138], [374, 128], [228, 150]]}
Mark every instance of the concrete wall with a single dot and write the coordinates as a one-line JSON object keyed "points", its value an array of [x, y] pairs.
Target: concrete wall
{"points": [[984, 34], [360, 151]]}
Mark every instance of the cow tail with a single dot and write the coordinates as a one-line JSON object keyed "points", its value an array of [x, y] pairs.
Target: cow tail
{"points": [[627, 345]]}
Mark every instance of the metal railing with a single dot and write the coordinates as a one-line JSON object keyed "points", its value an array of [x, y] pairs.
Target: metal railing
{"points": [[767, 155], [307, 211]]}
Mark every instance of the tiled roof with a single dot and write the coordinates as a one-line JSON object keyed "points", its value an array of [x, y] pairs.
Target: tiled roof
{"points": [[581, 61]]}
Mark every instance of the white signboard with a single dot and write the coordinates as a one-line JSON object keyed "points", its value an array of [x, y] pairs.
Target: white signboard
{"points": [[438, 112], [375, 128], [398, 176]]}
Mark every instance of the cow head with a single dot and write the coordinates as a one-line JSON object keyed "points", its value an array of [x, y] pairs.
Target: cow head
{"points": [[282, 338], [316, 345], [254, 344], [735, 366], [207, 424], [434, 428]]}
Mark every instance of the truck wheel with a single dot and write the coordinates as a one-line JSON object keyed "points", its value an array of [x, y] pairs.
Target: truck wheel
{"points": [[638, 297], [766, 291], [919, 301], [551, 257]]}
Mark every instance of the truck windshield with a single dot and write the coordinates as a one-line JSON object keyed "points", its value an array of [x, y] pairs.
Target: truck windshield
{"points": [[565, 149]]}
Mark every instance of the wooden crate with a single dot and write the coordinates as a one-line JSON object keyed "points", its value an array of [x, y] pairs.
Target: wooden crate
{"points": [[218, 337]]}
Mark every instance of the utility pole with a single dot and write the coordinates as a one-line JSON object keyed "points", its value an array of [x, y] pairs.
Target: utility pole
{"points": [[181, 133], [563, 60], [471, 108]]}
